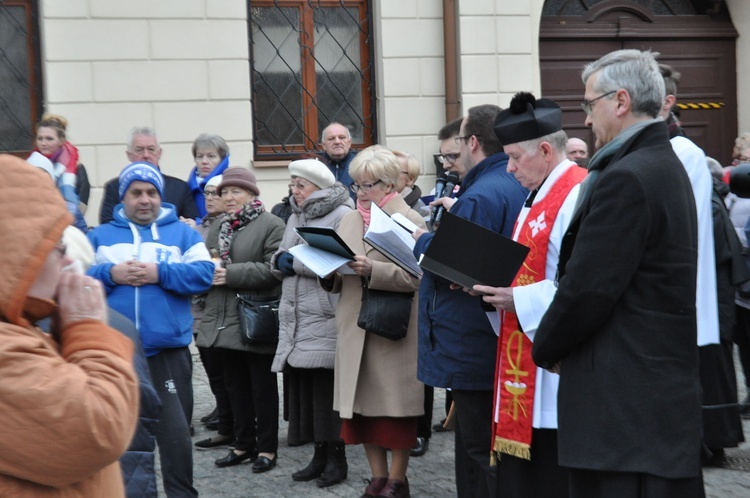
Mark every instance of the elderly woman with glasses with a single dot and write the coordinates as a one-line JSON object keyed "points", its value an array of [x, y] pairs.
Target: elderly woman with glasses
{"points": [[376, 390], [307, 331]]}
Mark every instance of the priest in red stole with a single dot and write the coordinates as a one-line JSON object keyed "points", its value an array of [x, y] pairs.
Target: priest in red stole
{"points": [[525, 407]]}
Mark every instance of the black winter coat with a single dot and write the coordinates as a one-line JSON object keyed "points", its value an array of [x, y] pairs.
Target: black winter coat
{"points": [[623, 320]]}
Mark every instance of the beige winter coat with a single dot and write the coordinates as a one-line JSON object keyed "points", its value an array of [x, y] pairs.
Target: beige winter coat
{"points": [[374, 376]]}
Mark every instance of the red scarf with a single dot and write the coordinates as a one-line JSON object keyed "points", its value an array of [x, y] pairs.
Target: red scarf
{"points": [[67, 155], [515, 374]]}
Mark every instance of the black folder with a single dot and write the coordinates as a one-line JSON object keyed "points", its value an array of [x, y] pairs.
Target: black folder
{"points": [[327, 239], [468, 254]]}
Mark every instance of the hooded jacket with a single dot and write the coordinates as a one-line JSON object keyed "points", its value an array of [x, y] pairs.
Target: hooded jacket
{"points": [[160, 312], [68, 409]]}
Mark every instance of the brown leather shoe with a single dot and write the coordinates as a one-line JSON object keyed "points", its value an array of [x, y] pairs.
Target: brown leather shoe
{"points": [[395, 489], [374, 486]]}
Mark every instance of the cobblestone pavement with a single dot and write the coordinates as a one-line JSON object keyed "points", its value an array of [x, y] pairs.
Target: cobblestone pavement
{"points": [[429, 476]]}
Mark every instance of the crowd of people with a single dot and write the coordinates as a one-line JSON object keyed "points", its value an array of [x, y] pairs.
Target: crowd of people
{"points": [[604, 368]]}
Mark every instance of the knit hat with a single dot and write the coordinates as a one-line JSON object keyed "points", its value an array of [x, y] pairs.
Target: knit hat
{"points": [[313, 170], [527, 118], [141, 172], [238, 176], [214, 181]]}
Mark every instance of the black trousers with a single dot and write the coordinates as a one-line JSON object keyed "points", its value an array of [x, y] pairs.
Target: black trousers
{"points": [[742, 339], [598, 484], [254, 396], [171, 373], [211, 358], [424, 423], [539, 477], [475, 478]]}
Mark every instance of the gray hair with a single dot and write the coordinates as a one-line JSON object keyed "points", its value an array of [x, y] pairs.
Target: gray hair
{"points": [[634, 71], [557, 140], [144, 131], [211, 141], [323, 133], [717, 171]]}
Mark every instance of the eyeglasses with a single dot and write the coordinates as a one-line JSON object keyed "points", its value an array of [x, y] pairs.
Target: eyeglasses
{"points": [[365, 187], [298, 185], [587, 104], [458, 139], [213, 194], [448, 158]]}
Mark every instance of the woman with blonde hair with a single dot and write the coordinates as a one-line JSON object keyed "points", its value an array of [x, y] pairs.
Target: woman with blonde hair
{"points": [[59, 158], [376, 390]]}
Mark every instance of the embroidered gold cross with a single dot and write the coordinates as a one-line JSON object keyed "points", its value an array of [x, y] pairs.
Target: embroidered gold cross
{"points": [[516, 388]]}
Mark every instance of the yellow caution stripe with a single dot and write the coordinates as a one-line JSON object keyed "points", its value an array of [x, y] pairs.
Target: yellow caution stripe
{"points": [[701, 105]]}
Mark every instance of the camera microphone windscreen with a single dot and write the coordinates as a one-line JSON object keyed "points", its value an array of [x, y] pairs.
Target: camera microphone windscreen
{"points": [[739, 181], [450, 184], [440, 182]]}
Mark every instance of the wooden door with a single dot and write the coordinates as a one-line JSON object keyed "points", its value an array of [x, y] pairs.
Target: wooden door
{"points": [[700, 45]]}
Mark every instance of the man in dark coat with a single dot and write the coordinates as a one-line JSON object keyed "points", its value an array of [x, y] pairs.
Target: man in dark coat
{"points": [[143, 146], [336, 141], [621, 330]]}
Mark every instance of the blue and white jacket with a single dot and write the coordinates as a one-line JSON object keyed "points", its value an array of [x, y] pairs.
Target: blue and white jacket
{"points": [[160, 312]]}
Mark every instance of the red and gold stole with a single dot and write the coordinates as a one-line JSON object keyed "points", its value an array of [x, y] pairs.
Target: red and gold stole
{"points": [[515, 372]]}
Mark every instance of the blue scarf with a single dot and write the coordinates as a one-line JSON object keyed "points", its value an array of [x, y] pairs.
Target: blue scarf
{"points": [[196, 184]]}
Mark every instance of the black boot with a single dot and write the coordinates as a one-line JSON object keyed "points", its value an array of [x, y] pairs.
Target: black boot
{"points": [[316, 466], [336, 467]]}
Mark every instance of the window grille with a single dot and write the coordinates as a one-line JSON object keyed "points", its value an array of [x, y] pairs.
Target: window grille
{"points": [[20, 70], [311, 65]]}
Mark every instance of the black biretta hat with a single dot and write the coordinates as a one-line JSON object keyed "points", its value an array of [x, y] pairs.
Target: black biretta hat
{"points": [[527, 118]]}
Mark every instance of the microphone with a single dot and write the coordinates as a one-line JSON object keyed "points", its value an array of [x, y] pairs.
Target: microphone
{"points": [[440, 182], [450, 184]]}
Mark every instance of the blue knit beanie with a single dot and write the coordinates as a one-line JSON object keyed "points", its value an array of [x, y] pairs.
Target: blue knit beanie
{"points": [[141, 172]]}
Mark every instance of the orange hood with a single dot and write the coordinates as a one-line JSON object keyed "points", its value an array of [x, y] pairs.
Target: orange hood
{"points": [[32, 218]]}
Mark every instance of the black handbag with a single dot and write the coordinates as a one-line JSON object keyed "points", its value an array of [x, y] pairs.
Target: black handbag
{"points": [[259, 319], [385, 313]]}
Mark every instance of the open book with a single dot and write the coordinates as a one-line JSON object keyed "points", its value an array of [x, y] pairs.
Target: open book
{"points": [[391, 236], [324, 253]]}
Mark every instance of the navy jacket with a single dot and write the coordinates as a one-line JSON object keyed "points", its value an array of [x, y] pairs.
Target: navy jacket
{"points": [[340, 171], [457, 345]]}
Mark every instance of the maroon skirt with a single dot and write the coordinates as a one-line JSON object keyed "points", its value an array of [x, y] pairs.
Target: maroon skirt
{"points": [[398, 433]]}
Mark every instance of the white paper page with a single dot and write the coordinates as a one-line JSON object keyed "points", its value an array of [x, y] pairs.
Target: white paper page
{"points": [[404, 222], [494, 318], [380, 222], [321, 262]]}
